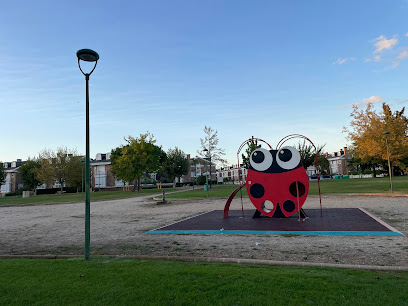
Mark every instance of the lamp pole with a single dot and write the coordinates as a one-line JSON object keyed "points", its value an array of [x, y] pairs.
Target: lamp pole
{"points": [[388, 157], [82, 186], [210, 169], [87, 55]]}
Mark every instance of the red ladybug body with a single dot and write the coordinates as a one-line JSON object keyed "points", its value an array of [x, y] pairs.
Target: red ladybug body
{"points": [[277, 176]]}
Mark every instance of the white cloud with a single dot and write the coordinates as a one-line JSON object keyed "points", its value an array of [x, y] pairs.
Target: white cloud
{"points": [[403, 55], [382, 43], [377, 58], [406, 34], [340, 61], [395, 64], [371, 100]]}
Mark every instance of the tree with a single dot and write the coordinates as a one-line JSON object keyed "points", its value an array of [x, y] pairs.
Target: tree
{"points": [[308, 156], [252, 146], [176, 164], [366, 132], [201, 180], [59, 166], [209, 148], [137, 157], [74, 171], [2, 173], [28, 173]]}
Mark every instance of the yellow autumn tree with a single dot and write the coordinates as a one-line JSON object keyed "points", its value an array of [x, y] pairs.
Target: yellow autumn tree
{"points": [[367, 134]]}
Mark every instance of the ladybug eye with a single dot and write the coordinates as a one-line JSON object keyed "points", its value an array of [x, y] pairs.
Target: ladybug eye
{"points": [[288, 158], [261, 159]]}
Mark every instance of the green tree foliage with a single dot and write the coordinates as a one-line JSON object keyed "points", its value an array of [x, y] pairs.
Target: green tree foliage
{"points": [[2, 173], [366, 133], [28, 173], [74, 171], [61, 166], [308, 156], [176, 164], [201, 180], [139, 156], [252, 146]]}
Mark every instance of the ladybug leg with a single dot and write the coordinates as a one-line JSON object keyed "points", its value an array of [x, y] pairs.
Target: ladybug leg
{"points": [[257, 214], [278, 212], [297, 198]]}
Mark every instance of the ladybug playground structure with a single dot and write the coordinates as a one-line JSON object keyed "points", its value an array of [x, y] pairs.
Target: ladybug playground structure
{"points": [[277, 183]]}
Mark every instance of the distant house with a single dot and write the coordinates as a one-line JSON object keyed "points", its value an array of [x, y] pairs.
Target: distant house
{"points": [[232, 174], [311, 170], [102, 176], [338, 161], [198, 166], [13, 180]]}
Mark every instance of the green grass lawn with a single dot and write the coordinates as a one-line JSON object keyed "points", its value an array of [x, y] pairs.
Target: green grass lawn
{"points": [[375, 185], [76, 197], [372, 185], [142, 282]]}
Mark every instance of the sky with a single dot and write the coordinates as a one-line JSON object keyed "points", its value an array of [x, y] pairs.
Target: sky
{"points": [[266, 69]]}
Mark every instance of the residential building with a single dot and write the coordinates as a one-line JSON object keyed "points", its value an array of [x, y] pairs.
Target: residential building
{"points": [[13, 180], [338, 161], [311, 170], [199, 166], [232, 174], [102, 176]]}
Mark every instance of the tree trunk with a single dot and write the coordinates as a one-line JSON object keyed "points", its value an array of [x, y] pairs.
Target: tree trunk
{"points": [[138, 185], [174, 183], [134, 186], [374, 174]]}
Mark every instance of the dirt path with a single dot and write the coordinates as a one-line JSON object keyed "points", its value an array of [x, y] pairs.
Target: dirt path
{"points": [[118, 227]]}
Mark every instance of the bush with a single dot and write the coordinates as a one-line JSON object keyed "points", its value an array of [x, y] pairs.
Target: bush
{"points": [[201, 180], [164, 180], [144, 182], [55, 190], [184, 184], [13, 194]]}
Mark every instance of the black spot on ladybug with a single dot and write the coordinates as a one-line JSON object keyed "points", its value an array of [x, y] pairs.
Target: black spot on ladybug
{"points": [[258, 157], [289, 206], [301, 188], [257, 191], [285, 155]]}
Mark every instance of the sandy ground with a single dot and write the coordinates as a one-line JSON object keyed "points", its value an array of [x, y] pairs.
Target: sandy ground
{"points": [[119, 227]]}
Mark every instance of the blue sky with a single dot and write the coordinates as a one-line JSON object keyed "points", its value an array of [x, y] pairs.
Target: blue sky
{"points": [[246, 68]]}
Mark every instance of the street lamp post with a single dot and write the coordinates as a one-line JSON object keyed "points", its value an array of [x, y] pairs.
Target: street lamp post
{"points": [[87, 55], [388, 157], [82, 186]]}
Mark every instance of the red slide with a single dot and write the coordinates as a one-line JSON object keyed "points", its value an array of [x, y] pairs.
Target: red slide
{"points": [[227, 205]]}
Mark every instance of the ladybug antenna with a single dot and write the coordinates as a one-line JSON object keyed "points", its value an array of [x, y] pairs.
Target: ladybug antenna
{"points": [[250, 140], [286, 138]]}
